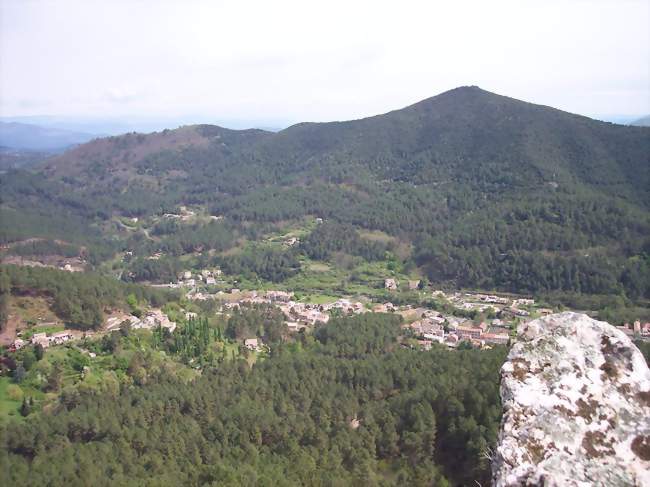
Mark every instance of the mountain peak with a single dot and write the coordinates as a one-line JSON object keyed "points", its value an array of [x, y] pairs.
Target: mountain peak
{"points": [[470, 90], [464, 98], [466, 89]]}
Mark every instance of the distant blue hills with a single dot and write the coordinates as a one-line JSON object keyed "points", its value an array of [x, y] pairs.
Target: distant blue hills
{"points": [[28, 137]]}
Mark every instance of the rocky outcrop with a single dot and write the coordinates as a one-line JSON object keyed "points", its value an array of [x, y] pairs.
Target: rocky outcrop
{"points": [[576, 399]]}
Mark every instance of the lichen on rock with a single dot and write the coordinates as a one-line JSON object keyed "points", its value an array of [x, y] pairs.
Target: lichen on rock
{"points": [[575, 395]]}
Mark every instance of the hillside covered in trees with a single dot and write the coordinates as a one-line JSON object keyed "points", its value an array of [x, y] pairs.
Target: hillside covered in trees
{"points": [[349, 406], [488, 191], [78, 298]]}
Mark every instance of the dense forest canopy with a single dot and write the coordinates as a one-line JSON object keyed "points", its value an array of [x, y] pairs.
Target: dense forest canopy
{"points": [[333, 237], [350, 407], [269, 264]]}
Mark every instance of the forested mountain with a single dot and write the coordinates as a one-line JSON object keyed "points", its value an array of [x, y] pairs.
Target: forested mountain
{"points": [[490, 191], [468, 130], [464, 135]]}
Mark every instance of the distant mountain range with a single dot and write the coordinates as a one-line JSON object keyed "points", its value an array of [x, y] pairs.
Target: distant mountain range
{"points": [[642, 122], [28, 137], [118, 125]]}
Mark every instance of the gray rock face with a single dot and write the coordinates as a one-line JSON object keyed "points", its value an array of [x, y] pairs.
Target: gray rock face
{"points": [[576, 399]]}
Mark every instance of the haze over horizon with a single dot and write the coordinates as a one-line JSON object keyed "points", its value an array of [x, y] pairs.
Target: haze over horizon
{"points": [[166, 63]]}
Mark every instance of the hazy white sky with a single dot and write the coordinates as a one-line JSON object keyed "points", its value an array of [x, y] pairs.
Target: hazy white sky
{"points": [[325, 60]]}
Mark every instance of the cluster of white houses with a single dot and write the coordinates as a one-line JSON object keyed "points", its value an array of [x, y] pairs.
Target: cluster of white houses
{"points": [[301, 315], [298, 315], [476, 301], [44, 340], [431, 327], [489, 302], [187, 279], [152, 319], [450, 331]]}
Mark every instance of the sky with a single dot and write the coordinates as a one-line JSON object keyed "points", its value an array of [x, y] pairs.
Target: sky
{"points": [[279, 62]]}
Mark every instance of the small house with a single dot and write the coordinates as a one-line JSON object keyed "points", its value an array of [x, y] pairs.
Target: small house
{"points": [[61, 337], [390, 284], [40, 339]]}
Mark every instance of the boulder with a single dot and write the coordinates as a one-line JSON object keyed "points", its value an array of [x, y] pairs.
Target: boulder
{"points": [[576, 401]]}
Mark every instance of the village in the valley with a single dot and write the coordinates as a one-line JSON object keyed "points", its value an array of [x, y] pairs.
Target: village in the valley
{"points": [[474, 319], [443, 317]]}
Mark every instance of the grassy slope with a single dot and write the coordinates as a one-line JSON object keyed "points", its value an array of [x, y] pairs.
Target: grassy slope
{"points": [[8, 406]]}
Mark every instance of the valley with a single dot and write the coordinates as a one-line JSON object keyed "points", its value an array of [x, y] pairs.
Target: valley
{"points": [[329, 303]]}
